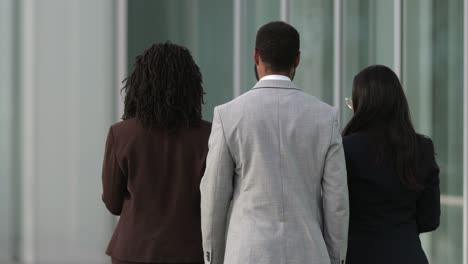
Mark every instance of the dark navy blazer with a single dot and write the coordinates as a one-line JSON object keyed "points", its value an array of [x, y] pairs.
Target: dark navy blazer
{"points": [[386, 217]]}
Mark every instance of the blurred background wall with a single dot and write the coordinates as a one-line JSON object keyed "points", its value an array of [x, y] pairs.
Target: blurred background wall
{"points": [[57, 58], [62, 63]]}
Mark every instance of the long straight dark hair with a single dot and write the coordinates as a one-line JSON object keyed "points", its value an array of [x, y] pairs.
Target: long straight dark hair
{"points": [[380, 108]]}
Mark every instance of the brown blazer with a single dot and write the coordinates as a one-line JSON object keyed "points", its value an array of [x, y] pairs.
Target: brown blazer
{"points": [[151, 179]]}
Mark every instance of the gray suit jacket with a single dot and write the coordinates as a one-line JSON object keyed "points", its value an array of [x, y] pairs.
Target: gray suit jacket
{"points": [[276, 158]]}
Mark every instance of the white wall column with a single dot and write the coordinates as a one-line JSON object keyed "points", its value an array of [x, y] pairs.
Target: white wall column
{"points": [[121, 40], [238, 51], [68, 96], [465, 131], [337, 54], [284, 10], [397, 19], [28, 92]]}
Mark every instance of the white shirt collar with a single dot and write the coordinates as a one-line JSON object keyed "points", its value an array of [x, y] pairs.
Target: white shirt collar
{"points": [[275, 77]]}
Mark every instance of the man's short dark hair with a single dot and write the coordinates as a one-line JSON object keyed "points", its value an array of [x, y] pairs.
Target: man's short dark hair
{"points": [[278, 45]]}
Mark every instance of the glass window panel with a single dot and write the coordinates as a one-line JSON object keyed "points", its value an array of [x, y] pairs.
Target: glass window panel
{"points": [[205, 27], [8, 117], [314, 21], [367, 40], [433, 79], [254, 14], [445, 245]]}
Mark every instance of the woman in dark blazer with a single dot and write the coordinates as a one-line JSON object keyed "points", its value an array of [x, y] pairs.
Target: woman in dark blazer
{"points": [[392, 174], [155, 159]]}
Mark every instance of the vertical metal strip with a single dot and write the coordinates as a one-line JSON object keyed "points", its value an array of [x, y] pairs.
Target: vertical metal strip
{"points": [[17, 134], [27, 81], [284, 10], [193, 21], [397, 18], [73, 123], [337, 54], [237, 48], [122, 32], [465, 131]]}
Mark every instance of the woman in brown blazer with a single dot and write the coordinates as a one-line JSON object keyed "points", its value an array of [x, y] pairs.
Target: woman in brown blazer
{"points": [[154, 161]]}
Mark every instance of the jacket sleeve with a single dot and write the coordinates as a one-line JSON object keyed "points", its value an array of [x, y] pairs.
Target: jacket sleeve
{"points": [[216, 193], [335, 200], [114, 182], [428, 205]]}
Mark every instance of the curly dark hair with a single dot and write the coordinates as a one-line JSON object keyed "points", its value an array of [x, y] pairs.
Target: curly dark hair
{"points": [[165, 88]]}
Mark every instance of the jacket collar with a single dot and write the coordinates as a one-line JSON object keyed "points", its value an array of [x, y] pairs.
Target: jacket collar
{"points": [[278, 84]]}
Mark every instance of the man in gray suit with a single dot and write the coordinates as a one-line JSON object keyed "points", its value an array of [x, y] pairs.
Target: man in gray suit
{"points": [[276, 158]]}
